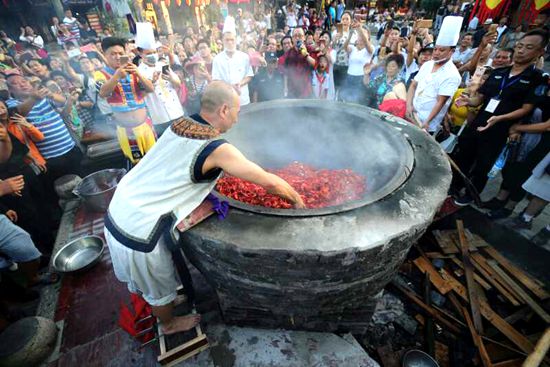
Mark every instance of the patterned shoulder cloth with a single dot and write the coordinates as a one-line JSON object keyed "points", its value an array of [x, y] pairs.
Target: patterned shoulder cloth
{"points": [[189, 128]]}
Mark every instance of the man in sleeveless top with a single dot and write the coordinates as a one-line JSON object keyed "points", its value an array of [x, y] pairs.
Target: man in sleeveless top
{"points": [[124, 87], [171, 181]]}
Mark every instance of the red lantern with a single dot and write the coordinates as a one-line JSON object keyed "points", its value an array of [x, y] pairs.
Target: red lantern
{"points": [[178, 2]]}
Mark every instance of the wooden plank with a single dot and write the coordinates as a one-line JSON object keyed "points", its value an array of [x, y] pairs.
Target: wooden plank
{"points": [[470, 282], [477, 339], [534, 285], [535, 358], [425, 266], [520, 314], [482, 282], [486, 311], [387, 356], [475, 240], [445, 241], [438, 255], [527, 298], [510, 363], [442, 354], [480, 263], [449, 242]]}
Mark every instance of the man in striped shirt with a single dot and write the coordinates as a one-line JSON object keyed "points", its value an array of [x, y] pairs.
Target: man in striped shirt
{"points": [[73, 26], [58, 147]]}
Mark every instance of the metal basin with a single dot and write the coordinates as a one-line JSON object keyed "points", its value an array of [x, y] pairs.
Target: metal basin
{"points": [[79, 254], [417, 358], [98, 188]]}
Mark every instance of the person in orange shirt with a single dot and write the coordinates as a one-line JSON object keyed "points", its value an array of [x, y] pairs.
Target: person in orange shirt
{"points": [[27, 134]]}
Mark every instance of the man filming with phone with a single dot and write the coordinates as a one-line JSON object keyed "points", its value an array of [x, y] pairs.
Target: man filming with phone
{"points": [[124, 87], [163, 104]]}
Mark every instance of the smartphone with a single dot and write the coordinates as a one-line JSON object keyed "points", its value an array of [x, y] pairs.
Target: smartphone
{"points": [[424, 23], [74, 53], [12, 111], [124, 59], [403, 32], [492, 28], [165, 69], [339, 27]]}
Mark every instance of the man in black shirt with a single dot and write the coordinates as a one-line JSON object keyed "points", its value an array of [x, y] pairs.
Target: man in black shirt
{"points": [[268, 83], [506, 97]]}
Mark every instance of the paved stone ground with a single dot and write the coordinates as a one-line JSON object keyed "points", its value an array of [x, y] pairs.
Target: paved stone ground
{"points": [[538, 223]]}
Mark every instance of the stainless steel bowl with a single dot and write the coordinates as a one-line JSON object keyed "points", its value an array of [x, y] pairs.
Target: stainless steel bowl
{"points": [[98, 188], [417, 358], [79, 254]]}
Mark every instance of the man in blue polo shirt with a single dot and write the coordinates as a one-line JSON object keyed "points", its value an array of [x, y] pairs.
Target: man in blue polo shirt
{"points": [[58, 147]]}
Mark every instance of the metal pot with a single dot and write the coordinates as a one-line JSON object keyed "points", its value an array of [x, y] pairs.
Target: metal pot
{"points": [[97, 189]]}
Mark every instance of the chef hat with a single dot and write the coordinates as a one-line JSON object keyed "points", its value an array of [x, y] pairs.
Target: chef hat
{"points": [[229, 25], [450, 31], [145, 37]]}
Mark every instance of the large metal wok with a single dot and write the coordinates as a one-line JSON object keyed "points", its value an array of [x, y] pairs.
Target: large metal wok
{"points": [[277, 133]]}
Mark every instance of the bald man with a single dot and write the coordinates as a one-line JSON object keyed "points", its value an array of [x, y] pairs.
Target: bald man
{"points": [[164, 188]]}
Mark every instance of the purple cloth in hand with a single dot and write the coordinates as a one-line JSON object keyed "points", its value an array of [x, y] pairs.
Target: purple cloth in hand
{"points": [[221, 207]]}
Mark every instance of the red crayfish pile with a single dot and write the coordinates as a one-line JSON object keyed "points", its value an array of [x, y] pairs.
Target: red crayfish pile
{"points": [[318, 188]]}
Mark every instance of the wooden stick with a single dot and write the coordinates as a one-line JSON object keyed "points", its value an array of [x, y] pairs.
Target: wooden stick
{"points": [[535, 358], [477, 339], [426, 266], [470, 282], [429, 327], [534, 285], [527, 298], [480, 263], [429, 310], [482, 282]]}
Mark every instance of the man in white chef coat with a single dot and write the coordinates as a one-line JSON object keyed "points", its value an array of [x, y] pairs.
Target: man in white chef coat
{"points": [[233, 66], [431, 91]]}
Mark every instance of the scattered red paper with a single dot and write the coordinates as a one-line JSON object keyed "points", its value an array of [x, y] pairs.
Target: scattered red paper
{"points": [[318, 188], [127, 318]]}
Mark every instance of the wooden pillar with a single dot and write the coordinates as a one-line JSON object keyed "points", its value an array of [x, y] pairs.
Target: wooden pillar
{"points": [[58, 8], [166, 17], [139, 11]]}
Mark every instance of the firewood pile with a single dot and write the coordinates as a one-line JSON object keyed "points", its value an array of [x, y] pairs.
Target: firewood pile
{"points": [[473, 306]]}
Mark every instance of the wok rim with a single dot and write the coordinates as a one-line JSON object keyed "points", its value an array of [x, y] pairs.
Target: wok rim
{"points": [[401, 176]]}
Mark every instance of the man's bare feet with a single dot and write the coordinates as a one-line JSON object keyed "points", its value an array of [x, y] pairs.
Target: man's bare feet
{"points": [[180, 323]]}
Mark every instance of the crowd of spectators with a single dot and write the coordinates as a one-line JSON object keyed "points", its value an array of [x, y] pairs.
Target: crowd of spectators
{"points": [[489, 92]]}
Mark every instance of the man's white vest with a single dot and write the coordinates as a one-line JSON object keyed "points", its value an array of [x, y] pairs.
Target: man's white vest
{"points": [[161, 190]]}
